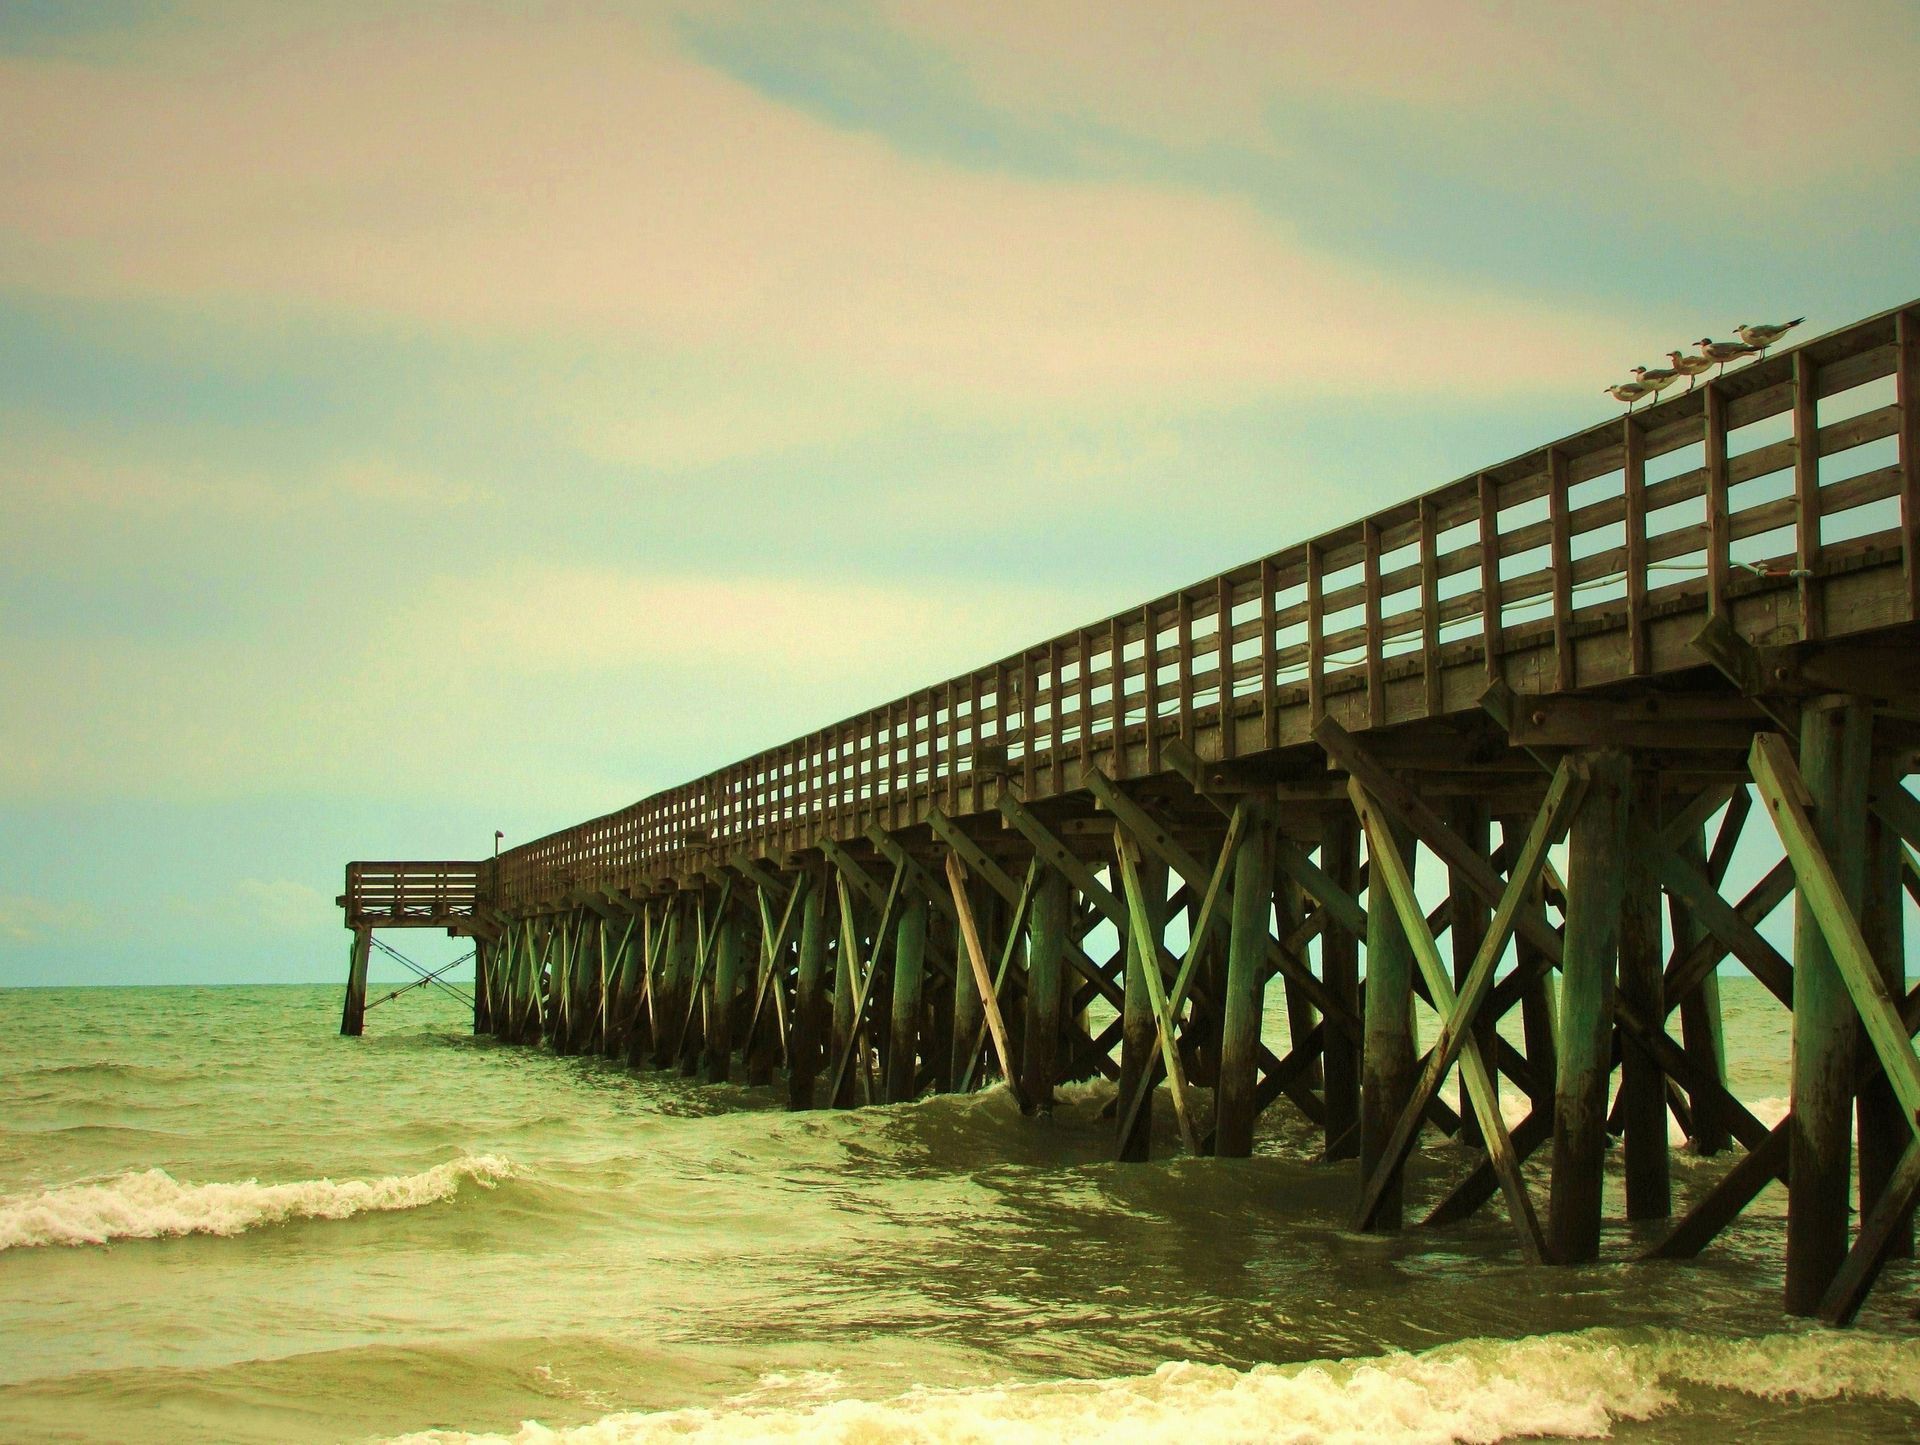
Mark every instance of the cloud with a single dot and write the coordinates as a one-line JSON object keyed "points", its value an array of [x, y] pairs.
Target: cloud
{"points": [[25, 920], [575, 175], [1704, 105], [284, 905]]}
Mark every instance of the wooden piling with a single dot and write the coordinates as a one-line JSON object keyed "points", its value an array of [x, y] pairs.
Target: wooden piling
{"points": [[1597, 848], [729, 973], [845, 983], [909, 985], [1701, 1033], [969, 1008], [1643, 1084], [1340, 970], [1836, 736], [1467, 918], [1883, 1130], [1387, 1064], [353, 1014], [812, 1004], [1249, 934], [1139, 1052], [1046, 940]]}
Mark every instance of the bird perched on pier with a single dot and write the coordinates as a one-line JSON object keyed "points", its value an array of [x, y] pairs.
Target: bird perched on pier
{"points": [[1656, 379], [1721, 352], [1688, 366], [1761, 337], [1627, 391]]}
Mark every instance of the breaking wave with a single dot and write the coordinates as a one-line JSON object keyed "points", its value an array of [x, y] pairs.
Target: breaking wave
{"points": [[152, 1204], [1567, 1386]]}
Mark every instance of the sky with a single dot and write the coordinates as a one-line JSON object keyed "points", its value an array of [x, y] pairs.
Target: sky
{"points": [[424, 419]]}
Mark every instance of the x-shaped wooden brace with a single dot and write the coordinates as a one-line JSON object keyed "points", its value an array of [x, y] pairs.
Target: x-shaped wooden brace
{"points": [[845, 872], [773, 945], [989, 987], [709, 932], [1166, 1006], [1785, 793], [1456, 1039]]}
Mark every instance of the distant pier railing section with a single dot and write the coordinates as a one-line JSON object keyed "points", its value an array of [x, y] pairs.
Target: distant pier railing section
{"points": [[418, 895], [1104, 855]]}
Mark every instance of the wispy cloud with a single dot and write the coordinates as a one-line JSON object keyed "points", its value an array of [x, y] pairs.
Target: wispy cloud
{"points": [[580, 174]]}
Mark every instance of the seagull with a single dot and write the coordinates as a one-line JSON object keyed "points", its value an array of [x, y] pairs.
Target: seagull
{"points": [[1761, 337], [1688, 366], [1627, 391], [1724, 351], [1655, 379]]}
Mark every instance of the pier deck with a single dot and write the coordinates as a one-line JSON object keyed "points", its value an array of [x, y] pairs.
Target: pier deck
{"points": [[1096, 856]]}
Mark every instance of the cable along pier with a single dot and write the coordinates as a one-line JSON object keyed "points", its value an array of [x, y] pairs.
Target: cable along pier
{"points": [[1683, 627]]}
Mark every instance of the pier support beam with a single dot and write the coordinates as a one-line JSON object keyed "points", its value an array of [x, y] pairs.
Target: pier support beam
{"points": [[1340, 970], [1836, 736], [1597, 848], [969, 1007], [1700, 1021], [1884, 1134], [1046, 942], [1643, 1085], [353, 1015], [1387, 1066], [909, 986], [1467, 918], [729, 970], [812, 1005], [1139, 1053], [482, 981], [1248, 937], [846, 962]]}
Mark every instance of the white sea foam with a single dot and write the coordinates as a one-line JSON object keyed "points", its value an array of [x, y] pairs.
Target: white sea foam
{"points": [[153, 1203], [1569, 1386]]}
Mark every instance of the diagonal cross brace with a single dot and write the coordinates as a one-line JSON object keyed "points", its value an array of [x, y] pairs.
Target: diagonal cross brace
{"points": [[1391, 870], [1569, 786]]}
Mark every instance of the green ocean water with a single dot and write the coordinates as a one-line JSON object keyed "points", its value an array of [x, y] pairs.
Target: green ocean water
{"points": [[221, 1221]]}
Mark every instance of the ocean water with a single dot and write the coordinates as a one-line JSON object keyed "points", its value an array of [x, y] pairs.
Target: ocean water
{"points": [[221, 1221]]}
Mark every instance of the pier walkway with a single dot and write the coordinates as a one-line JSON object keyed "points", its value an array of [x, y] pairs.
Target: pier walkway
{"points": [[1343, 772]]}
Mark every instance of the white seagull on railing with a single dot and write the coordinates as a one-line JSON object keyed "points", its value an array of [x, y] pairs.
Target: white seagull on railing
{"points": [[1655, 379], [1721, 352], [1688, 366], [1627, 391], [1761, 337]]}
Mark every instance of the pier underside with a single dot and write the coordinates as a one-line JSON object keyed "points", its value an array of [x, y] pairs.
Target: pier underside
{"points": [[1482, 760]]}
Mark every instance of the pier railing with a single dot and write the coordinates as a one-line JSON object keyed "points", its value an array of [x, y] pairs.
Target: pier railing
{"points": [[412, 894], [1773, 479]]}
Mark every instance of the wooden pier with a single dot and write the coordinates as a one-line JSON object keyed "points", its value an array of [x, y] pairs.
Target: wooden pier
{"points": [[1101, 855]]}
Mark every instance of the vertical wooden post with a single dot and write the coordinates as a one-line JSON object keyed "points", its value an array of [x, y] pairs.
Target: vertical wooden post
{"points": [[1138, 1053], [1836, 737], [1046, 938], [1289, 910], [762, 1044], [1387, 1065], [1597, 851], [909, 986], [729, 967], [482, 981], [1560, 549], [353, 1015], [1700, 1029], [1468, 917], [1806, 496], [1490, 604], [811, 1005], [1883, 1130], [1719, 519], [845, 981], [1245, 999], [1340, 971], [671, 1007], [1907, 393], [1643, 1085], [969, 1007]]}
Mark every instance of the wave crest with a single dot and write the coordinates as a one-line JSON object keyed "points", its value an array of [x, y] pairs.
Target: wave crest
{"points": [[1557, 1386], [151, 1204]]}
